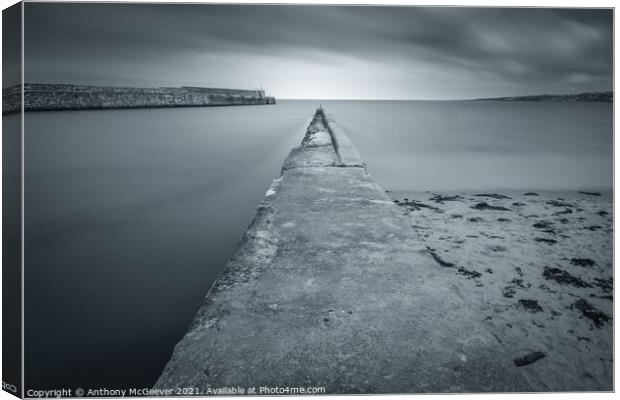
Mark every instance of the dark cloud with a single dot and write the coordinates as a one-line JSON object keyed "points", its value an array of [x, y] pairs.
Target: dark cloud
{"points": [[324, 51]]}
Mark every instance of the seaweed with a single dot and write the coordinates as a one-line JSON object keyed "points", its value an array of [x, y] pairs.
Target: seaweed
{"points": [[582, 262], [496, 248], [437, 198], [470, 274], [564, 278], [545, 226], [530, 305], [590, 193], [417, 205], [589, 311], [607, 284], [557, 203], [485, 206], [493, 196], [509, 291], [438, 259], [545, 240]]}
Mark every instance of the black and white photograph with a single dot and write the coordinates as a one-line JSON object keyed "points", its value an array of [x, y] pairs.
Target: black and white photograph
{"points": [[300, 199]]}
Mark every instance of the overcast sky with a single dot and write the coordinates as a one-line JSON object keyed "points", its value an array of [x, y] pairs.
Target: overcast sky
{"points": [[323, 52]]}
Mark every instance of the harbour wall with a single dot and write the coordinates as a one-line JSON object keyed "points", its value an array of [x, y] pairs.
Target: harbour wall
{"points": [[50, 97], [330, 287]]}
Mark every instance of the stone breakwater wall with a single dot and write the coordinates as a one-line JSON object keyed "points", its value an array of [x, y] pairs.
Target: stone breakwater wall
{"points": [[48, 97], [331, 287]]}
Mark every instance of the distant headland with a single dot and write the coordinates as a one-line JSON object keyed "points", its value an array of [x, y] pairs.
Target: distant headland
{"points": [[592, 97], [55, 97]]}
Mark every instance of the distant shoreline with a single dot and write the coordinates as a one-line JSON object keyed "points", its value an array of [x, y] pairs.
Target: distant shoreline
{"points": [[590, 97]]}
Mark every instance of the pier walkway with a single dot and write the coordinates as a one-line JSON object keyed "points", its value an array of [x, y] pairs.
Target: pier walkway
{"points": [[331, 287]]}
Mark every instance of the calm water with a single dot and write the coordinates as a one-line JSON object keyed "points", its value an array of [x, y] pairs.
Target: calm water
{"points": [[131, 214], [482, 145]]}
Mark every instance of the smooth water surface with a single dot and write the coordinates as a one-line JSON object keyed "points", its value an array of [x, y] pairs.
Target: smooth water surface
{"points": [[469, 145], [131, 214]]}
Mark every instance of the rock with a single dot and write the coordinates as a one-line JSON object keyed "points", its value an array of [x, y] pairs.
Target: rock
{"points": [[590, 193], [531, 194], [529, 358]]}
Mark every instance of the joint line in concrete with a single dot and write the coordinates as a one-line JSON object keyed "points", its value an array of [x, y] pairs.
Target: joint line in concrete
{"points": [[331, 133]]}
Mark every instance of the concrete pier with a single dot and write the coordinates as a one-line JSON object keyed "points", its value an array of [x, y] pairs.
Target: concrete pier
{"points": [[56, 97], [330, 287]]}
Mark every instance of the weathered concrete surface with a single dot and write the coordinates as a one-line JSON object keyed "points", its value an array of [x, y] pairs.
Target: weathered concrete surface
{"points": [[331, 287], [51, 97]]}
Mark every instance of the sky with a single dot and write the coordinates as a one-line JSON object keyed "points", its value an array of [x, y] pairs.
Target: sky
{"points": [[323, 52]]}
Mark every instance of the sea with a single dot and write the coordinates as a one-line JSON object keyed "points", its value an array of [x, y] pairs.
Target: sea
{"points": [[130, 215]]}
